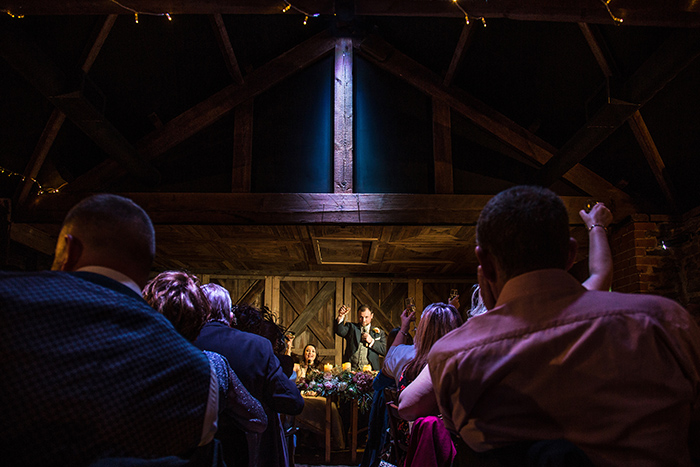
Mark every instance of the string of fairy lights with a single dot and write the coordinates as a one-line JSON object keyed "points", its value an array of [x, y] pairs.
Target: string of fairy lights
{"points": [[143, 13], [288, 6], [466, 15], [41, 189]]}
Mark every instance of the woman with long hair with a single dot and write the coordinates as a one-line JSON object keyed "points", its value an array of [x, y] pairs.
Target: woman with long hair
{"points": [[436, 320]]}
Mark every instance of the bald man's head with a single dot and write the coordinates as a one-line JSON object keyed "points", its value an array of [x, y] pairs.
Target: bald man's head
{"points": [[110, 231]]}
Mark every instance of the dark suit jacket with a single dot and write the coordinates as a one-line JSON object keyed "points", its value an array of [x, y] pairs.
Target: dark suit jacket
{"points": [[352, 332], [252, 359], [89, 370]]}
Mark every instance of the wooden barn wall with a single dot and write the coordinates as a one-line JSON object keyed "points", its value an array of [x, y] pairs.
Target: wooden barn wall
{"points": [[308, 305]]}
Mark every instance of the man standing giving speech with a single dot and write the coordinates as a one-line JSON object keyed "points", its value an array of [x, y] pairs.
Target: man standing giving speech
{"points": [[364, 343]]}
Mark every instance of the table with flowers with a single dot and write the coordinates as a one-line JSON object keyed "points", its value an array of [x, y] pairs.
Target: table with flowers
{"points": [[341, 384]]}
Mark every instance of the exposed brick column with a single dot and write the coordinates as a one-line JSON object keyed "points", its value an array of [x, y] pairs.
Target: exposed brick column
{"points": [[637, 254]]}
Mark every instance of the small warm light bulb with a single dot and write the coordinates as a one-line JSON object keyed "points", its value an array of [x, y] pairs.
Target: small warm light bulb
{"points": [[466, 18], [483, 21], [306, 20], [286, 8], [136, 18], [167, 15]]}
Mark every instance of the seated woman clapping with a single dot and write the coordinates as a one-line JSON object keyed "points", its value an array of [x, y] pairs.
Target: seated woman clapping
{"points": [[177, 296]]}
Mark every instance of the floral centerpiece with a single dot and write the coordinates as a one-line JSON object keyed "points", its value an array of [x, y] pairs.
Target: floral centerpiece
{"points": [[347, 385]]}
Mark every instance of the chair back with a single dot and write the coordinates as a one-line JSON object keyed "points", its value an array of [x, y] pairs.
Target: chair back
{"points": [[290, 435], [399, 442]]}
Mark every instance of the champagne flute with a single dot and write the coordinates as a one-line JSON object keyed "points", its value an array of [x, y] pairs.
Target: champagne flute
{"points": [[410, 304]]}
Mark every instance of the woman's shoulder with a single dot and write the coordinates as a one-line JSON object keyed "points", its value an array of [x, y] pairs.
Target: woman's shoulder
{"points": [[222, 368], [401, 350]]}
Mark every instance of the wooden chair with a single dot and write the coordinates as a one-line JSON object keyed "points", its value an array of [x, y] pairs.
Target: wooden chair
{"points": [[290, 435], [399, 445]]}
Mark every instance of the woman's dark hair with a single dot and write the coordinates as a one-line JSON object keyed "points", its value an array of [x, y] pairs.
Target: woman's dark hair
{"points": [[178, 297], [315, 363], [261, 322], [248, 318]]}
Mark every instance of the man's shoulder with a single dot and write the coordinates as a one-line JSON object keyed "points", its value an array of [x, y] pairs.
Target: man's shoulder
{"points": [[627, 303], [449, 344], [64, 287], [10, 279], [240, 338]]}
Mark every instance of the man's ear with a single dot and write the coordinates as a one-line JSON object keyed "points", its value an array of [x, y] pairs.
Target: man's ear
{"points": [[74, 251], [573, 249], [488, 265]]}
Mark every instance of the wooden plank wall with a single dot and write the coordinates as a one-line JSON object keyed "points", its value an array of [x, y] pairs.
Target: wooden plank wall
{"points": [[308, 305]]}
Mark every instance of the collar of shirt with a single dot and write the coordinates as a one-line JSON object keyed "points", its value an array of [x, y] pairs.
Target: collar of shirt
{"points": [[554, 281], [112, 274]]}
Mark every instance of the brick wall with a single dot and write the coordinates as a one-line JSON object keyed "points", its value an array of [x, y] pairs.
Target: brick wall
{"points": [[659, 255]]}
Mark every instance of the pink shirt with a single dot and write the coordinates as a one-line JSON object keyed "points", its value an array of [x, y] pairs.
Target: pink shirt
{"points": [[616, 374]]}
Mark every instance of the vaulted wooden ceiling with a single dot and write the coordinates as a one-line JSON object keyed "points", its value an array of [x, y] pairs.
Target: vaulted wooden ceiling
{"points": [[548, 92]]}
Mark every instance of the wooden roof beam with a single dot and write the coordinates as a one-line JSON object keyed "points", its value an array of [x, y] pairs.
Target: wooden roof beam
{"points": [[600, 55], [66, 95], [213, 108], [55, 122], [596, 130], [651, 153], [291, 208], [677, 52], [385, 56], [222, 38], [458, 56], [636, 122]]}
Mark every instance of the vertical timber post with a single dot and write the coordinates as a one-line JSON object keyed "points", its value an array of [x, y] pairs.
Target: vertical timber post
{"points": [[343, 118]]}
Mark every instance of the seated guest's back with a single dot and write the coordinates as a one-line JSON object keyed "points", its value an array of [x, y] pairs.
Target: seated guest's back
{"points": [[252, 358], [177, 295], [88, 369], [618, 375]]}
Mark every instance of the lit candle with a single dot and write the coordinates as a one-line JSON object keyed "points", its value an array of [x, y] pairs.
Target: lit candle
{"points": [[327, 367], [346, 366], [367, 368]]}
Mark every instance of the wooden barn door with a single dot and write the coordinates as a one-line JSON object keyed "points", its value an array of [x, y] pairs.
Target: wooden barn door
{"points": [[307, 307], [439, 291], [243, 289], [384, 297]]}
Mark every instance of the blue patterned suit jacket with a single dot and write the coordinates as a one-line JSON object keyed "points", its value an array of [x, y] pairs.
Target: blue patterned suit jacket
{"points": [[89, 370]]}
